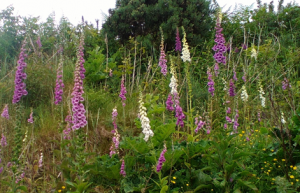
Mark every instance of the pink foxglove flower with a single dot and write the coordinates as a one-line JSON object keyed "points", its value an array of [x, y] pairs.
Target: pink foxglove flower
{"points": [[236, 124], [20, 86], [210, 83], [285, 84], [38, 42], [161, 159], [79, 119], [3, 141], [231, 88], [216, 69], [178, 111], [122, 170], [220, 47], [123, 92], [178, 43], [199, 124], [59, 83], [169, 103], [162, 59], [110, 72], [234, 75], [30, 120], [5, 112]]}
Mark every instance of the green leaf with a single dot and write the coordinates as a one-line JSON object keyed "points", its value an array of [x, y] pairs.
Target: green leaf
{"points": [[164, 189], [24, 188], [263, 130], [202, 186], [248, 184]]}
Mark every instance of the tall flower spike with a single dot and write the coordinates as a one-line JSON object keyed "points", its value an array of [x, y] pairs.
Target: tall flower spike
{"points": [[38, 42], [231, 88], [199, 124], [178, 43], [173, 84], [123, 92], [30, 120], [5, 112], [253, 52], [20, 86], [261, 95], [59, 83], [3, 140], [162, 59], [236, 124], [169, 103], [144, 119], [114, 149], [122, 170], [244, 95], [78, 119], [41, 160], [220, 47], [161, 159], [216, 69], [178, 111], [210, 83], [185, 51], [285, 84]]}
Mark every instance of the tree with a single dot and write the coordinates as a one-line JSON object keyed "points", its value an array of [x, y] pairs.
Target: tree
{"points": [[134, 18]]}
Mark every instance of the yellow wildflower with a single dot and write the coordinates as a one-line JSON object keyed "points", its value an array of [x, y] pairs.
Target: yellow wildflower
{"points": [[295, 167], [273, 179], [291, 176], [297, 180], [264, 149], [187, 184], [291, 166], [243, 131], [59, 190], [275, 159], [174, 178], [292, 183], [283, 160], [63, 187]]}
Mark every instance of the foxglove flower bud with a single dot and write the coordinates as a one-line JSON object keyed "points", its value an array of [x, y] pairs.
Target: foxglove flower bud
{"points": [[161, 159], [169, 103], [30, 120], [162, 59], [178, 43], [231, 88], [59, 83], [261, 95], [210, 83], [5, 112], [244, 95], [122, 170], [3, 141], [123, 92]]}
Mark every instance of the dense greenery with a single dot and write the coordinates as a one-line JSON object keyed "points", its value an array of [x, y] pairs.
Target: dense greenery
{"points": [[262, 60]]}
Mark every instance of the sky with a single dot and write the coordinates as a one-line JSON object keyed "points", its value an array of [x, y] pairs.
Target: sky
{"points": [[90, 9]]}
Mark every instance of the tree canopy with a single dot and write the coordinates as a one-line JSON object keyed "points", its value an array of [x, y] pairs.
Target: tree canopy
{"points": [[133, 18]]}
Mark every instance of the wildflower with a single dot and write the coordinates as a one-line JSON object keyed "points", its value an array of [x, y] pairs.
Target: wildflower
{"points": [[244, 77], [110, 72], [162, 59], [258, 116], [236, 124], [38, 42], [283, 160], [185, 51], [219, 48], [285, 84], [116, 138], [145, 120], [253, 52], [20, 86], [199, 124], [174, 178], [211, 83], [234, 75], [79, 118], [282, 118], [244, 46], [161, 159], [275, 159], [244, 95], [59, 83], [262, 98], [187, 184], [1, 169], [41, 160], [291, 176], [122, 170], [292, 183], [295, 168], [231, 88], [63, 187], [169, 103], [228, 111], [225, 84], [123, 92], [3, 141], [59, 190], [5, 112], [178, 111], [178, 43], [30, 120]]}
